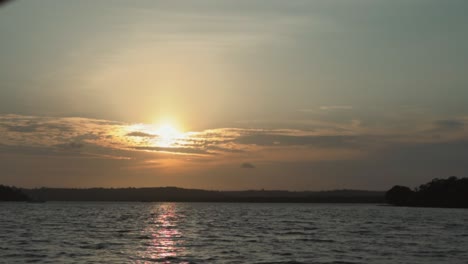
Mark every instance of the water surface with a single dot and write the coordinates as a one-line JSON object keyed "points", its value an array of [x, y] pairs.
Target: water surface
{"points": [[60, 232]]}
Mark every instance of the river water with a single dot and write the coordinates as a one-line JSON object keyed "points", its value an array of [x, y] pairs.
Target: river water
{"points": [[61, 232]]}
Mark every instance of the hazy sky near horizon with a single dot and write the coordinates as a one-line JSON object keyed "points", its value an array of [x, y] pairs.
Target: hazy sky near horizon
{"points": [[217, 94]]}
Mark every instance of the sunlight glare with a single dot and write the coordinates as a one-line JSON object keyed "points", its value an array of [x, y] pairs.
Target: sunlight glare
{"points": [[167, 131], [167, 135]]}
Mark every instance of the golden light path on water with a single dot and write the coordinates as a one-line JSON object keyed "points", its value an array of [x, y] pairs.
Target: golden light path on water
{"points": [[165, 239]]}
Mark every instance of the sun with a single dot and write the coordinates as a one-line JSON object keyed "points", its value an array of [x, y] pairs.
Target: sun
{"points": [[163, 135], [167, 135], [167, 131]]}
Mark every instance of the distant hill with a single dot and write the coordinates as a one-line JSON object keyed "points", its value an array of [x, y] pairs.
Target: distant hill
{"points": [[174, 194], [12, 194], [450, 193]]}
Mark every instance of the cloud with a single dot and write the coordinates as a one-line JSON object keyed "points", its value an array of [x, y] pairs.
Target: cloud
{"points": [[291, 140], [26, 150], [224, 149], [22, 128], [361, 153], [174, 150], [307, 110], [335, 107], [103, 138], [140, 134], [449, 124], [247, 165], [32, 124], [71, 146], [56, 126]]}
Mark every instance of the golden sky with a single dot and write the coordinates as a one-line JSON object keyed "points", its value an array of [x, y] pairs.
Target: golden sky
{"points": [[233, 94]]}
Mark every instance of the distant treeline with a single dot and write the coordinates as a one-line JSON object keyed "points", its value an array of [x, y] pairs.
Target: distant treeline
{"points": [[173, 194], [12, 194], [451, 192]]}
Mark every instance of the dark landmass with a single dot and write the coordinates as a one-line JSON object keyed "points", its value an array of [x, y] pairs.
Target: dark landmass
{"points": [[12, 194], [451, 192], [173, 194], [447, 193]]}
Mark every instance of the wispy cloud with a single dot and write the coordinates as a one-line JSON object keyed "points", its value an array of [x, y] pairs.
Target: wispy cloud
{"points": [[449, 124], [140, 134], [116, 148], [336, 107], [109, 139], [247, 165]]}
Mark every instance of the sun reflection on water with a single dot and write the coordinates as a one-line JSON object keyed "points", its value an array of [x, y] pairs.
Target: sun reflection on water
{"points": [[166, 243]]}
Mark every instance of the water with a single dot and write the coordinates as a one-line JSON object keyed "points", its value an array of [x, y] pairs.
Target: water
{"points": [[230, 233]]}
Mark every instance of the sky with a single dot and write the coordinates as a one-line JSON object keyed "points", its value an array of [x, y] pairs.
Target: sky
{"points": [[232, 95]]}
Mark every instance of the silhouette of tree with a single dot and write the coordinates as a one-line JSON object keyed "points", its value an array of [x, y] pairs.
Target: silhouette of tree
{"points": [[399, 195], [451, 192], [12, 194]]}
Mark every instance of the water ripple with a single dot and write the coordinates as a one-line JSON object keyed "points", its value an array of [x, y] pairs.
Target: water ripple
{"points": [[229, 233]]}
